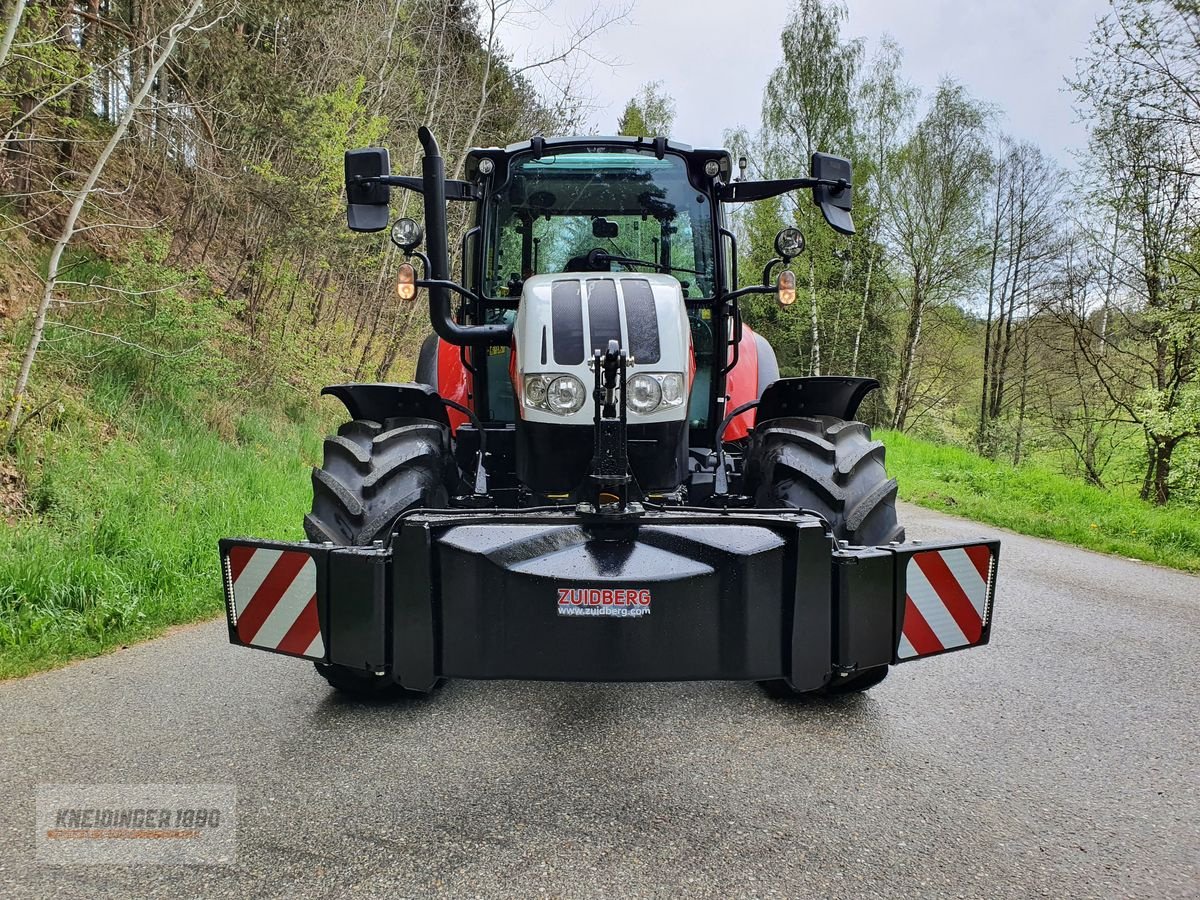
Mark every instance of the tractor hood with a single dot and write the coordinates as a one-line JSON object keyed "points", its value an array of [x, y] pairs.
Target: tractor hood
{"points": [[564, 319]]}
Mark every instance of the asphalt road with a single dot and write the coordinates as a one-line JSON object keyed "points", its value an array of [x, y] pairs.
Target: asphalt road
{"points": [[1061, 761]]}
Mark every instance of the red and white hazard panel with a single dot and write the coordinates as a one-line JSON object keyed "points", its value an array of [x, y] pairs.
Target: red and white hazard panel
{"points": [[948, 592], [274, 600]]}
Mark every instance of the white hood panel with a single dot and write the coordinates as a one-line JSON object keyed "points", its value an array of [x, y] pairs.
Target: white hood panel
{"points": [[563, 317]]}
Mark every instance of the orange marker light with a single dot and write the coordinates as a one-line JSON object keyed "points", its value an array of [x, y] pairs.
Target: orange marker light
{"points": [[406, 282], [786, 287]]}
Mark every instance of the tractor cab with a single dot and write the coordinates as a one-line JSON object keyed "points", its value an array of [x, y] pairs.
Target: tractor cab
{"points": [[613, 206]]}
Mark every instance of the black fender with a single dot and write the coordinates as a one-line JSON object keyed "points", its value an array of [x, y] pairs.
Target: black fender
{"points": [[380, 402], [817, 395], [427, 362]]}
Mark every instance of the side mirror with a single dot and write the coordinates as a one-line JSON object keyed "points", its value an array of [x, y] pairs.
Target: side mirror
{"points": [[367, 203], [834, 201]]}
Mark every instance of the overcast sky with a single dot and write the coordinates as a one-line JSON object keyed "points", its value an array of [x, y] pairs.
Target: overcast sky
{"points": [[1012, 53]]}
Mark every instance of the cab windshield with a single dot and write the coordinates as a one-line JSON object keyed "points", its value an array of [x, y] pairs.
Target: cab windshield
{"points": [[555, 210]]}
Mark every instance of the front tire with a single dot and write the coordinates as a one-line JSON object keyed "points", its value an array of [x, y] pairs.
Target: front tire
{"points": [[374, 472], [371, 474], [832, 467]]}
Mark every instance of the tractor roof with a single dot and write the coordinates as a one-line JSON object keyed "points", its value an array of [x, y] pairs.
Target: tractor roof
{"points": [[597, 143]]}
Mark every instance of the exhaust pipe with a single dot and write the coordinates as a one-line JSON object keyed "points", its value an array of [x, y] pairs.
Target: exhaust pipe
{"points": [[433, 187]]}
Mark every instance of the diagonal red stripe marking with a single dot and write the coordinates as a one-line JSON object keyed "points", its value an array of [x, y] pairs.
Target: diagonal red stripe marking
{"points": [[238, 557], [951, 594], [278, 580], [981, 559], [303, 630], [917, 630]]}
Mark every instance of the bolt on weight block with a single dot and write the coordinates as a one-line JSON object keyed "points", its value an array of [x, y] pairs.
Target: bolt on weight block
{"points": [[315, 601]]}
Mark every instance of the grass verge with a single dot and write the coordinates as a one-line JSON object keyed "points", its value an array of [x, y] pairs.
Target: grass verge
{"points": [[1042, 503], [124, 540]]}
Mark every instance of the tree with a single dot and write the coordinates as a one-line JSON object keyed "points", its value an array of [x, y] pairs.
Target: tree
{"points": [[884, 102], [1025, 249], [649, 113], [164, 47], [1144, 349], [807, 107], [10, 29], [931, 218], [1145, 60]]}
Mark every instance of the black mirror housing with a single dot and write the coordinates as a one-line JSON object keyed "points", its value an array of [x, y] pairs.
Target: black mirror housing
{"points": [[834, 202], [367, 203]]}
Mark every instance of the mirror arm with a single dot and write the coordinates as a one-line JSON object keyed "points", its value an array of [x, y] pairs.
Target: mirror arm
{"points": [[767, 270], [747, 191], [746, 291], [455, 190]]}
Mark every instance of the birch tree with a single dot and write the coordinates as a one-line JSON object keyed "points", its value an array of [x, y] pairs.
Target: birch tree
{"points": [[931, 218], [884, 107], [10, 29], [807, 107]]}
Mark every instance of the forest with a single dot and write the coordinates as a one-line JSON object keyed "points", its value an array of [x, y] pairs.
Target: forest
{"points": [[1018, 305], [176, 279]]}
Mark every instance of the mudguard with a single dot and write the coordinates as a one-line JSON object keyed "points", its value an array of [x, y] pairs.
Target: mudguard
{"points": [[379, 402], [819, 395]]}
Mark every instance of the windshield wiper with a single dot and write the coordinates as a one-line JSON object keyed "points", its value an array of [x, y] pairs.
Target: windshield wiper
{"points": [[599, 257]]}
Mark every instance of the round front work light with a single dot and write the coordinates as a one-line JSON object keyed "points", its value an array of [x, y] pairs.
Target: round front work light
{"points": [[407, 234], [712, 168], [486, 166], [789, 243], [406, 282], [785, 287], [565, 395], [645, 394]]}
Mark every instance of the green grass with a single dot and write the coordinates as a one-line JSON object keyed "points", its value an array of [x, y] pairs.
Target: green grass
{"points": [[1041, 502], [123, 543], [138, 462]]}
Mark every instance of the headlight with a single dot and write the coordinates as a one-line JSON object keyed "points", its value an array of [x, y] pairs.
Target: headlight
{"points": [[535, 391], [645, 394], [559, 394], [650, 391], [672, 389], [565, 395]]}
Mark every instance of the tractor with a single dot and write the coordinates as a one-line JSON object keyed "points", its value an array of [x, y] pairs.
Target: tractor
{"points": [[598, 473]]}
